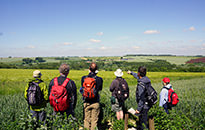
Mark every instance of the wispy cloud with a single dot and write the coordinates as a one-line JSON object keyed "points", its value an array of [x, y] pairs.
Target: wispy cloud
{"points": [[30, 47], [100, 33], [67, 43], [95, 41], [89, 49], [1, 33], [102, 48], [151, 32], [135, 47], [192, 28]]}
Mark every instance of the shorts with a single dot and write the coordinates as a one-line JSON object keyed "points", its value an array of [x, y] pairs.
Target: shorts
{"points": [[117, 106]]}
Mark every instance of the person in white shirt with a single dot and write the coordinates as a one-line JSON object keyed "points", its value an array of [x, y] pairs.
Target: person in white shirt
{"points": [[163, 97]]}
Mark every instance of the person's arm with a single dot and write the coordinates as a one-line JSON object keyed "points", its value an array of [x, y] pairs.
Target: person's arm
{"points": [[112, 86], [50, 86], [134, 75], [74, 91], [141, 95], [100, 83], [25, 92], [45, 90]]}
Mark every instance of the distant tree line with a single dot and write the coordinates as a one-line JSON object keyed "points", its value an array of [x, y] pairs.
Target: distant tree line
{"points": [[156, 66], [30, 61]]}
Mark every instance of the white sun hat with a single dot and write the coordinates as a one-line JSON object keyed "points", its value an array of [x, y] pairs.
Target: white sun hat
{"points": [[37, 73], [118, 73]]}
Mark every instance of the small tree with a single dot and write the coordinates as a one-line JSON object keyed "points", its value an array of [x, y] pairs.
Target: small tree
{"points": [[27, 60], [39, 59]]}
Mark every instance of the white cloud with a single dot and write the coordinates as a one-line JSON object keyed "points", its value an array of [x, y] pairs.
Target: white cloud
{"points": [[95, 41], [67, 43], [192, 28], [89, 49], [30, 47], [102, 48], [100, 33], [135, 47], [151, 32]]}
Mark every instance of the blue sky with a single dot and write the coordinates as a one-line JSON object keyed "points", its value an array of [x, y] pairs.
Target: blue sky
{"points": [[30, 28]]}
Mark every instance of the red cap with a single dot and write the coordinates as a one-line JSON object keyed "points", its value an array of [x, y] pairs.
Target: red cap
{"points": [[166, 80]]}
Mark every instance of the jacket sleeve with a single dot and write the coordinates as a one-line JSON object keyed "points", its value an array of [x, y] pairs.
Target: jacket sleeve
{"points": [[99, 83], [162, 97], [135, 75], [141, 95], [25, 92], [44, 89], [112, 86], [74, 91], [49, 87]]}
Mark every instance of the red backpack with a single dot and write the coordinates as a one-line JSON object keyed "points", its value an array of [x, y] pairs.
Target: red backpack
{"points": [[89, 88], [172, 97], [59, 98]]}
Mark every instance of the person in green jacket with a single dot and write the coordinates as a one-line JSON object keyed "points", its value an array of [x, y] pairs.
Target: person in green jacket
{"points": [[37, 104]]}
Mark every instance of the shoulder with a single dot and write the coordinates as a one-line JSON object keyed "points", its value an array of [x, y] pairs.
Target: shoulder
{"points": [[72, 82], [99, 78]]}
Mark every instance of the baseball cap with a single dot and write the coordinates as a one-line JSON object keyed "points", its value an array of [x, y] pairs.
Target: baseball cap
{"points": [[166, 80]]}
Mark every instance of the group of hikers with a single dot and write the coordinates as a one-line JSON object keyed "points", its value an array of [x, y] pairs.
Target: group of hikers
{"points": [[62, 95]]}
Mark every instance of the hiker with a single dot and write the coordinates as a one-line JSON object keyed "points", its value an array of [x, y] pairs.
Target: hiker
{"points": [[142, 107], [167, 98], [63, 92], [91, 85], [120, 92], [36, 94]]}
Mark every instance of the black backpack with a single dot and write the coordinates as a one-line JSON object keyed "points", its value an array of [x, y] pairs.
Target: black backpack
{"points": [[123, 90], [34, 94], [151, 94]]}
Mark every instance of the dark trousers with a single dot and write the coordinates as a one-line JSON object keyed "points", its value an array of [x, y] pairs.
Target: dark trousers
{"points": [[166, 107], [143, 120], [40, 115]]}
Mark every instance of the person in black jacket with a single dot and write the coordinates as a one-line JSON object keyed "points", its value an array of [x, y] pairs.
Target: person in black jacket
{"points": [[141, 98], [92, 106], [70, 87]]}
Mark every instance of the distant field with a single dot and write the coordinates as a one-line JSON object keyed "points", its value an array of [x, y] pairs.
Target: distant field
{"points": [[21, 76], [178, 60]]}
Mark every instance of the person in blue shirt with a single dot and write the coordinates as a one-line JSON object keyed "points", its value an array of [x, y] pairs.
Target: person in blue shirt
{"points": [[163, 97]]}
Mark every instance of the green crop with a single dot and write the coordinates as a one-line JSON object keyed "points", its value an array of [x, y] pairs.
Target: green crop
{"points": [[188, 114]]}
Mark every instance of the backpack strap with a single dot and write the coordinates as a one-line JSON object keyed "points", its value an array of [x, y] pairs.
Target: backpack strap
{"points": [[65, 82], [166, 88], [56, 81], [142, 84]]}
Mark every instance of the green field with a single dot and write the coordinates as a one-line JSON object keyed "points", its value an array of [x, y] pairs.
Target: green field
{"points": [[188, 114], [178, 60]]}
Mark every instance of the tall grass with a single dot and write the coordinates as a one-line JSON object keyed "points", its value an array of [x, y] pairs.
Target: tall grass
{"points": [[188, 114]]}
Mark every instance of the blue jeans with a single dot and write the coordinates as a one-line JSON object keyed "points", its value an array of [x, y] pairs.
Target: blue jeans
{"points": [[40, 115]]}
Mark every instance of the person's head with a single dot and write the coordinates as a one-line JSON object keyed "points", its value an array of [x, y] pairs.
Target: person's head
{"points": [[165, 81], [37, 74], [64, 69], [93, 67], [142, 71], [118, 73]]}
